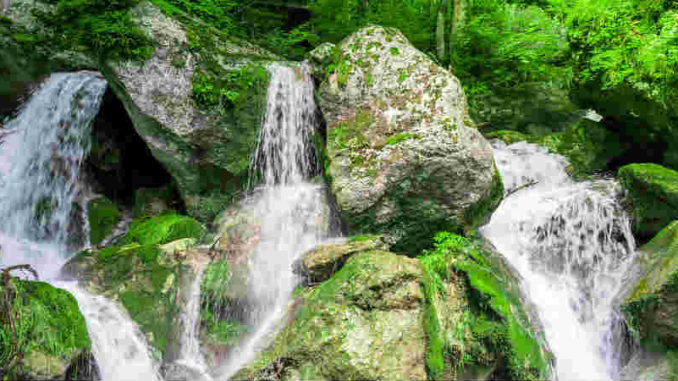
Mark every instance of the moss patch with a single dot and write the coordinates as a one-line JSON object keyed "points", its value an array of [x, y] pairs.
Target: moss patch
{"points": [[48, 324], [654, 192], [102, 215], [163, 229]]}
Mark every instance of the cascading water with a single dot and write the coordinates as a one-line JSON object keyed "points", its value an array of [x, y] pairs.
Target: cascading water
{"points": [[41, 153], [289, 208], [40, 158], [119, 347], [572, 245], [190, 355]]}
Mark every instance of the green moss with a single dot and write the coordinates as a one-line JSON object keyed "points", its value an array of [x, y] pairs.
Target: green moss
{"points": [[340, 66], [47, 322], [102, 215], [395, 139], [163, 229], [349, 133], [498, 325], [394, 51], [102, 28], [654, 193]]}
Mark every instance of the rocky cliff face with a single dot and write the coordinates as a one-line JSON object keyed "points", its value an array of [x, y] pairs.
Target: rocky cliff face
{"points": [[404, 158]]}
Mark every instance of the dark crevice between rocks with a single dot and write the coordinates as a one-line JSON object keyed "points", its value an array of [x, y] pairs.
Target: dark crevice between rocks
{"points": [[120, 162]]}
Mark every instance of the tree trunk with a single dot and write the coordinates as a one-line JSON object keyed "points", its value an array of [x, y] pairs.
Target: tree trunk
{"points": [[440, 31], [5, 7], [459, 13]]}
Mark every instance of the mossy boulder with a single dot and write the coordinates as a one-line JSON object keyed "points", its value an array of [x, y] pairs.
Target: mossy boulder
{"points": [[404, 157], [363, 323], [102, 215], [653, 190], [142, 271], [651, 308], [453, 314], [477, 325], [178, 103], [51, 333]]}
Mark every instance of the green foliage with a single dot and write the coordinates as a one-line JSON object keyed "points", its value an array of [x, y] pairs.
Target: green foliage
{"points": [[212, 88], [511, 60], [163, 229], [46, 320], [499, 322], [102, 215], [104, 28], [624, 63]]}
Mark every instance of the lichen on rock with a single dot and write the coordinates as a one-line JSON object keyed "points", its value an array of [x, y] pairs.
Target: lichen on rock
{"points": [[405, 158]]}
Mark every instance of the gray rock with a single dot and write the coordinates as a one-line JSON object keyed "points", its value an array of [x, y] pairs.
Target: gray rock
{"points": [[405, 158]]}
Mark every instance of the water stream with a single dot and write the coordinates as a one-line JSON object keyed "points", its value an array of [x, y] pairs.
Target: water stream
{"points": [[119, 347], [289, 208], [190, 355], [572, 245], [41, 154]]}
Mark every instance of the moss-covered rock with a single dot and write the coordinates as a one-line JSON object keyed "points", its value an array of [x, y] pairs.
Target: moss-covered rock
{"points": [[363, 323], [102, 215], [651, 308], [654, 192], [476, 324], [454, 314], [142, 272], [405, 159], [50, 331]]}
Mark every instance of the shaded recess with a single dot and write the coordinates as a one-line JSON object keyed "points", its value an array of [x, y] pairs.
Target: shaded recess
{"points": [[120, 162]]}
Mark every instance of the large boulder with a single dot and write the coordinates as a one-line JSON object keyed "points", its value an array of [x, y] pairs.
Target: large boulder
{"points": [[51, 334], [453, 314], [197, 103], [366, 322], [405, 159], [653, 190]]}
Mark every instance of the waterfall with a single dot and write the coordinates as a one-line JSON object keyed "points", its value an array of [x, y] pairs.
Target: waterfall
{"points": [[41, 153], [119, 347], [289, 208], [572, 245], [190, 355]]}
